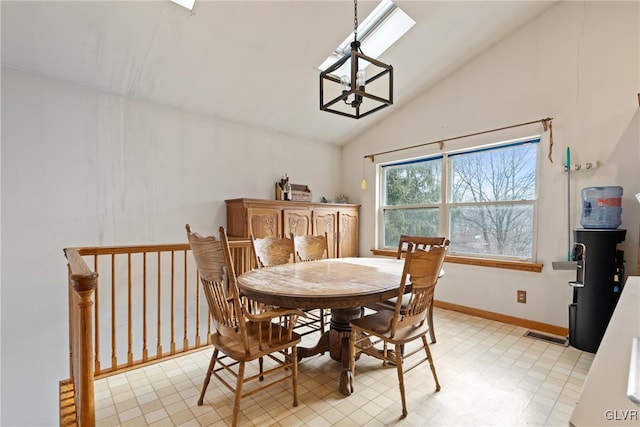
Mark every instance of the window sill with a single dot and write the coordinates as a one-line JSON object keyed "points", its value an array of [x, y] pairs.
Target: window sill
{"points": [[482, 262]]}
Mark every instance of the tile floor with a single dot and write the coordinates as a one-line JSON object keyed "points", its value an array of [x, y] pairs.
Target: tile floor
{"points": [[490, 375]]}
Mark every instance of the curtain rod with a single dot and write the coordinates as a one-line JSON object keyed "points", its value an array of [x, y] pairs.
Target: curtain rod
{"points": [[546, 124]]}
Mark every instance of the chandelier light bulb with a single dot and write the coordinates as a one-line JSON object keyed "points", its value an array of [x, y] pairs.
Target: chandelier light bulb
{"points": [[344, 80], [361, 78]]}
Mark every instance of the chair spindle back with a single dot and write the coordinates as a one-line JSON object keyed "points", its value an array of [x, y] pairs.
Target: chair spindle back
{"points": [[218, 278], [419, 242], [421, 271]]}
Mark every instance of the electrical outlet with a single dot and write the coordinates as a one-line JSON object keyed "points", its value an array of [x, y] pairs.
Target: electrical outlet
{"points": [[522, 297]]}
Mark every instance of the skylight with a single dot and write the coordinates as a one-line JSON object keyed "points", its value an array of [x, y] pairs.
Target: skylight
{"points": [[185, 3], [381, 29]]}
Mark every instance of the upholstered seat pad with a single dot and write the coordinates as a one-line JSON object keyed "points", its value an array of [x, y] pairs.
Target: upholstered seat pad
{"points": [[380, 321], [232, 346]]}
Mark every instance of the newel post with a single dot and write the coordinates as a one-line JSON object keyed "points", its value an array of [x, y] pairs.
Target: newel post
{"points": [[83, 286]]}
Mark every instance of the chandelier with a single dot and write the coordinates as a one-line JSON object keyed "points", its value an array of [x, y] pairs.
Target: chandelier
{"points": [[360, 95]]}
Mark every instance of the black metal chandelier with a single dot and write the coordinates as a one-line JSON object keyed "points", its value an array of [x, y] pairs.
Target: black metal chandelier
{"points": [[360, 95]]}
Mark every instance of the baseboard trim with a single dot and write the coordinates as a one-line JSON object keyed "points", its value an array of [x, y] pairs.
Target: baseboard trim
{"points": [[512, 320]]}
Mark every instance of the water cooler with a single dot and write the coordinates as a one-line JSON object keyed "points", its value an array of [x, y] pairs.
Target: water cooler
{"points": [[599, 281]]}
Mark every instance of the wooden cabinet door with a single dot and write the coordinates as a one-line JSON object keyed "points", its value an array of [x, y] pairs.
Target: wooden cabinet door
{"points": [[348, 234], [264, 222], [326, 220], [297, 221]]}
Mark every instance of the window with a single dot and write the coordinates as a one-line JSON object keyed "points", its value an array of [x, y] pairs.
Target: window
{"points": [[413, 192], [379, 31], [188, 4], [483, 199]]}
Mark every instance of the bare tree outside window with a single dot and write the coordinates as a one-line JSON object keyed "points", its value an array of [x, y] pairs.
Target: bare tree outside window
{"points": [[490, 200], [492, 194]]}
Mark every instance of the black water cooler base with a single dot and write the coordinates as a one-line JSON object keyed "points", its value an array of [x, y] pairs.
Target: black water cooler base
{"points": [[573, 312], [597, 287]]}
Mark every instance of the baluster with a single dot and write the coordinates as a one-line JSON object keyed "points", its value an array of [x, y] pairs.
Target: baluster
{"points": [[173, 326], [185, 340], [96, 313], [145, 350], [159, 321], [129, 314], [114, 357]]}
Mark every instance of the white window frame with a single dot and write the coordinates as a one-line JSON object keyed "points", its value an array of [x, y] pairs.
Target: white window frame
{"points": [[445, 198]]}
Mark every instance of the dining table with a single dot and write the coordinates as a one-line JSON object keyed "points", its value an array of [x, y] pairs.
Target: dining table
{"points": [[343, 285]]}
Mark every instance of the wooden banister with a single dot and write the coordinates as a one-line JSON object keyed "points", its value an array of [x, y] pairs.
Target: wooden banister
{"points": [[83, 283], [146, 309]]}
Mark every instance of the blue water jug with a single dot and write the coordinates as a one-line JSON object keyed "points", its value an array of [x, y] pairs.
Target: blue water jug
{"points": [[601, 207]]}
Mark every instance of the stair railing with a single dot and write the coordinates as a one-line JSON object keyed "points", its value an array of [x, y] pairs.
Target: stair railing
{"points": [[146, 308]]}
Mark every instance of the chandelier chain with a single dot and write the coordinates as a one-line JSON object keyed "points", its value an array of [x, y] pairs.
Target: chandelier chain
{"points": [[355, 20]]}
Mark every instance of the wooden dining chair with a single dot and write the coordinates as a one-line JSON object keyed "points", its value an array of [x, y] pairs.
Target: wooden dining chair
{"points": [[420, 242], [312, 248], [271, 251], [239, 334], [405, 323]]}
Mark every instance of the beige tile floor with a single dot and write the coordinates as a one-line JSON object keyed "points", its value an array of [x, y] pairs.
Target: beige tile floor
{"points": [[490, 375]]}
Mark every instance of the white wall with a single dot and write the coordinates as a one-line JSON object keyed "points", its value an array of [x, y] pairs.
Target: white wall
{"points": [[578, 63], [81, 167]]}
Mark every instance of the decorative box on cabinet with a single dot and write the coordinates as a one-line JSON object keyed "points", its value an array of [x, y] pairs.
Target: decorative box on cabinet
{"points": [[278, 218]]}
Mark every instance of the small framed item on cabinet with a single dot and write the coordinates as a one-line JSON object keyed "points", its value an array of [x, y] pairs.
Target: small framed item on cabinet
{"points": [[293, 192]]}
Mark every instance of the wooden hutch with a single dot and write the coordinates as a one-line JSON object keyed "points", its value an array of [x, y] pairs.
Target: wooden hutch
{"points": [[278, 218]]}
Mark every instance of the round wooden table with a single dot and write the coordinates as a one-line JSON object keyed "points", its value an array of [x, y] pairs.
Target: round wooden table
{"points": [[342, 284]]}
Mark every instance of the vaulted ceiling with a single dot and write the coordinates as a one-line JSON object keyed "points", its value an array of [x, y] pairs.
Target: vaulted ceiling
{"points": [[253, 63]]}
